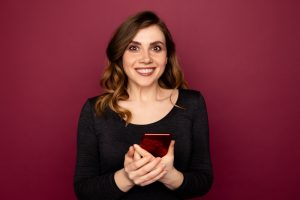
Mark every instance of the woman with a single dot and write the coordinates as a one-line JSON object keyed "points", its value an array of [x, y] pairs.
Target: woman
{"points": [[144, 92]]}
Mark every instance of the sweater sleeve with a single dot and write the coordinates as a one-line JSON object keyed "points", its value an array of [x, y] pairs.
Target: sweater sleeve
{"points": [[89, 184], [198, 179]]}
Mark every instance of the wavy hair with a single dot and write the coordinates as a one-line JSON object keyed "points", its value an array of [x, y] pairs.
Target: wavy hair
{"points": [[114, 80]]}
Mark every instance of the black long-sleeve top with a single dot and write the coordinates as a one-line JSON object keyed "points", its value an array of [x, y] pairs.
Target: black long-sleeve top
{"points": [[103, 141]]}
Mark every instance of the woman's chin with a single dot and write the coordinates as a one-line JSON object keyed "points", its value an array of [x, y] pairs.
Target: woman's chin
{"points": [[145, 84]]}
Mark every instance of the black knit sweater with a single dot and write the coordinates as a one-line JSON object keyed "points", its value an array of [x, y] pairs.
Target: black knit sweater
{"points": [[103, 141]]}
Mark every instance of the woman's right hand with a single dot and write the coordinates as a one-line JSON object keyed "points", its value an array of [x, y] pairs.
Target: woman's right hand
{"points": [[144, 169]]}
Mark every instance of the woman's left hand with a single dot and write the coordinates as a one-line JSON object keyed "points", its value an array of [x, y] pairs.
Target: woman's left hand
{"points": [[174, 178]]}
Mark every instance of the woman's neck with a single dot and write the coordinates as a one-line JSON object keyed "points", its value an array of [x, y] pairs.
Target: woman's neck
{"points": [[146, 94]]}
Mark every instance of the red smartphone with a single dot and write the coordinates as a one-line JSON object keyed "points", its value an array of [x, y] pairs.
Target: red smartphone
{"points": [[156, 143]]}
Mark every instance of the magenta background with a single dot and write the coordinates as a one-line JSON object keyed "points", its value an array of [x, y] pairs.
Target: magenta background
{"points": [[242, 55]]}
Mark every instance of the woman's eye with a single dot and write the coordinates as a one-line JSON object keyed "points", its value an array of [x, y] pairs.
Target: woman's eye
{"points": [[133, 48], [157, 48]]}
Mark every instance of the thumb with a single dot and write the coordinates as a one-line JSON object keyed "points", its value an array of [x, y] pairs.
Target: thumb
{"points": [[171, 148], [140, 150], [136, 155]]}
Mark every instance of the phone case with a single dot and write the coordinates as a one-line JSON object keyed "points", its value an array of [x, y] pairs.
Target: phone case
{"points": [[156, 143]]}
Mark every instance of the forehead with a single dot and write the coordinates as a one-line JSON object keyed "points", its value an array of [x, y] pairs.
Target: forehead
{"points": [[149, 35]]}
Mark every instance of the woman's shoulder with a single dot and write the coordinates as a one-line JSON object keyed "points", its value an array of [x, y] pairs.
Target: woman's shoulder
{"points": [[190, 94], [192, 100], [89, 104], [92, 100]]}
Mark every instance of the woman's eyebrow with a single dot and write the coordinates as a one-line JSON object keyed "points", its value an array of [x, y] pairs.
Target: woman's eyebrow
{"points": [[152, 43], [135, 42], [157, 42]]}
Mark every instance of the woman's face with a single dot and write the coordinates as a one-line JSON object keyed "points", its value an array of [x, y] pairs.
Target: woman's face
{"points": [[145, 58]]}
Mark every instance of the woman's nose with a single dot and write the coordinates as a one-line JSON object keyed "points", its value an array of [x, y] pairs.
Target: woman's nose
{"points": [[146, 57]]}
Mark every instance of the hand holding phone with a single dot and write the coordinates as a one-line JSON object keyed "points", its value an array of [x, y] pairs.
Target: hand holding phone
{"points": [[156, 143]]}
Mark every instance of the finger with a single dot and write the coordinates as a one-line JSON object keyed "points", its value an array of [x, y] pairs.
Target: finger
{"points": [[137, 175], [130, 152], [171, 148], [138, 163], [141, 151], [148, 167], [137, 156], [160, 175], [154, 173]]}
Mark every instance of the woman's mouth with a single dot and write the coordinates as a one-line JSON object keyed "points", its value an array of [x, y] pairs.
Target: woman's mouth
{"points": [[147, 71]]}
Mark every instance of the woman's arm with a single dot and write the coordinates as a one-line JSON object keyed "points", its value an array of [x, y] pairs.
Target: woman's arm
{"points": [[88, 182], [198, 179]]}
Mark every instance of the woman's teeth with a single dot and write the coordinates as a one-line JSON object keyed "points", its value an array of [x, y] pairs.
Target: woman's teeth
{"points": [[145, 71]]}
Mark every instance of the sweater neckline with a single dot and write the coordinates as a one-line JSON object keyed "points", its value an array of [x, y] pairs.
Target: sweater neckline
{"points": [[164, 117]]}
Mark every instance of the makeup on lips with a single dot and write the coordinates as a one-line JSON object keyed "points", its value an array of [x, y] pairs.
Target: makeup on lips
{"points": [[145, 71]]}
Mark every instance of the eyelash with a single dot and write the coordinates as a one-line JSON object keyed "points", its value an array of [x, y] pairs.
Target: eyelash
{"points": [[136, 48], [157, 48], [133, 48]]}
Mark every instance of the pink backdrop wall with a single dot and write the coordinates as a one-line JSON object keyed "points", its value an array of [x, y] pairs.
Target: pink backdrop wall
{"points": [[242, 55]]}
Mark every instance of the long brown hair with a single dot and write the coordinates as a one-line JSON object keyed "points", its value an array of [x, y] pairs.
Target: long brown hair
{"points": [[114, 80]]}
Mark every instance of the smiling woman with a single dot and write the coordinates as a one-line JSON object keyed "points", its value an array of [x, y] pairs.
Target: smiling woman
{"points": [[145, 92], [138, 34], [145, 58]]}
